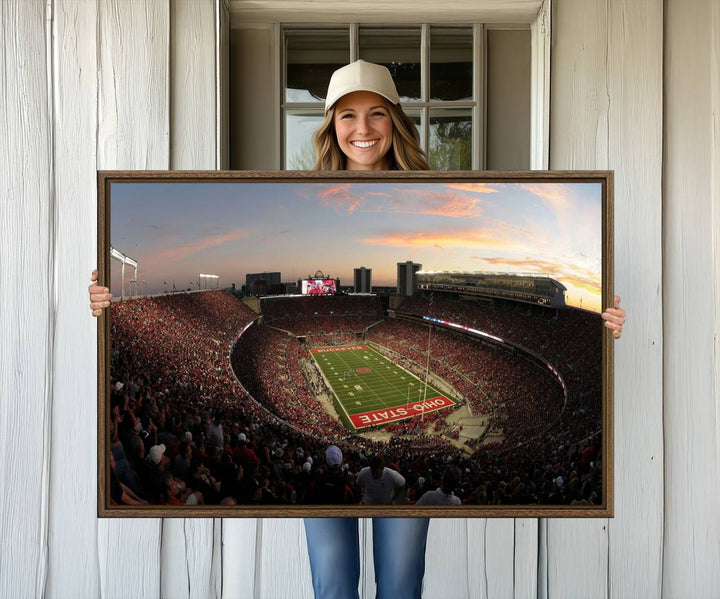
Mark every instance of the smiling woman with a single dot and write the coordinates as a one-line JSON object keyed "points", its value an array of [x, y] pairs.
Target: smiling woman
{"points": [[363, 107], [364, 131]]}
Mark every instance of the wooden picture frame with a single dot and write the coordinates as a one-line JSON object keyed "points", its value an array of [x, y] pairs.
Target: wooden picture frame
{"points": [[515, 270]]}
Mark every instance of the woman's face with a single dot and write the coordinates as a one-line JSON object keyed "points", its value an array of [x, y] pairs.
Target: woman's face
{"points": [[364, 130]]}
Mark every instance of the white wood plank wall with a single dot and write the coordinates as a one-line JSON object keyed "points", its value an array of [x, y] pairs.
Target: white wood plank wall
{"points": [[74, 527], [124, 85], [635, 116], [27, 314], [606, 112], [692, 397]]}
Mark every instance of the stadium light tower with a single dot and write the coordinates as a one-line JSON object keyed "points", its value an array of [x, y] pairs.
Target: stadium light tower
{"points": [[216, 277], [122, 258]]}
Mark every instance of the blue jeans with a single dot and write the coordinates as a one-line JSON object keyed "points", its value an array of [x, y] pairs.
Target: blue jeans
{"points": [[398, 554]]}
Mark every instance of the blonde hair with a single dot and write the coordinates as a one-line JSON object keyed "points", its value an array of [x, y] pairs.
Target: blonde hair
{"points": [[404, 155]]}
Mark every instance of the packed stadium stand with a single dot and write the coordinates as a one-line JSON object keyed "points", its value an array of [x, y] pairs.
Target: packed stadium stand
{"points": [[211, 402], [322, 314]]}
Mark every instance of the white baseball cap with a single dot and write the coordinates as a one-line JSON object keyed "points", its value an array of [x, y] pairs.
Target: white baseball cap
{"points": [[361, 76], [333, 456], [156, 453]]}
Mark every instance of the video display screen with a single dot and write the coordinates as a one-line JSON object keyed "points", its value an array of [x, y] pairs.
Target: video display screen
{"points": [[319, 287]]}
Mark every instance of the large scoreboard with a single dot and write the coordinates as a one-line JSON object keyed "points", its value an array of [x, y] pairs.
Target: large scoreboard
{"points": [[319, 284]]}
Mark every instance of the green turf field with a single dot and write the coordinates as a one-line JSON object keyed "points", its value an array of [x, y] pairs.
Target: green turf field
{"points": [[371, 390]]}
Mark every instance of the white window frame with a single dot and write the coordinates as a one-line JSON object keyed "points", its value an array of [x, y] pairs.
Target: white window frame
{"points": [[476, 106], [539, 90]]}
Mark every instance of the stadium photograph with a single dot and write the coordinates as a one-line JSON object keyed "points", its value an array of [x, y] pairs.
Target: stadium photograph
{"points": [[294, 345]]}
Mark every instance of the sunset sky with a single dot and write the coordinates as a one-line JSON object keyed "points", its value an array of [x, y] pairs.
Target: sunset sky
{"points": [[177, 230]]}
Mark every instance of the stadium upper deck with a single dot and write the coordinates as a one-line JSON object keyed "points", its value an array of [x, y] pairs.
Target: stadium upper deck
{"points": [[531, 288]]}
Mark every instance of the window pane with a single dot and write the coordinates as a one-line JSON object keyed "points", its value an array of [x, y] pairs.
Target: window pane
{"points": [[451, 56], [508, 100], [399, 51], [311, 58], [414, 115], [450, 140], [299, 149]]}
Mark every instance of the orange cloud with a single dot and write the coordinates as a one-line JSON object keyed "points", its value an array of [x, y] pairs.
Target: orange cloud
{"points": [[586, 284], [472, 187], [469, 238], [557, 196], [527, 264], [523, 235]]}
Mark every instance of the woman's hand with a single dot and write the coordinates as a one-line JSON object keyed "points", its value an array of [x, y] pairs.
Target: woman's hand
{"points": [[99, 296], [615, 318]]}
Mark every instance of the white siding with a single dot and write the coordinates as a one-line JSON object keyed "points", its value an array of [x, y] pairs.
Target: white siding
{"points": [[282, 566], [692, 402], [635, 117], [193, 85], [89, 85], [606, 112], [447, 555], [73, 552], [27, 313], [239, 557]]}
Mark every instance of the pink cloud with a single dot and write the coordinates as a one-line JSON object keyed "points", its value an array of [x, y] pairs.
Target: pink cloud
{"points": [[472, 187], [275, 236], [341, 199], [182, 251], [345, 198], [437, 203]]}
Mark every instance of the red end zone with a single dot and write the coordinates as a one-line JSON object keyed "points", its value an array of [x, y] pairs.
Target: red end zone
{"points": [[387, 415]]}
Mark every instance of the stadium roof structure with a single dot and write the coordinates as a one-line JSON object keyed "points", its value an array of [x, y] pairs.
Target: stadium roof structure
{"points": [[535, 288], [531, 275]]}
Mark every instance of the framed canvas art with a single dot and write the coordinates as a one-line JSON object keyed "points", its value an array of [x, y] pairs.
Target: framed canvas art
{"points": [[355, 344]]}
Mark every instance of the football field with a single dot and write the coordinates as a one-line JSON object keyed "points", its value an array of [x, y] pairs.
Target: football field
{"points": [[371, 390]]}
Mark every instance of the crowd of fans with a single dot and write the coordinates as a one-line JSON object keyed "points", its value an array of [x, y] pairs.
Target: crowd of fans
{"points": [[488, 378], [311, 305], [570, 339], [267, 363], [322, 315], [184, 430], [330, 340]]}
